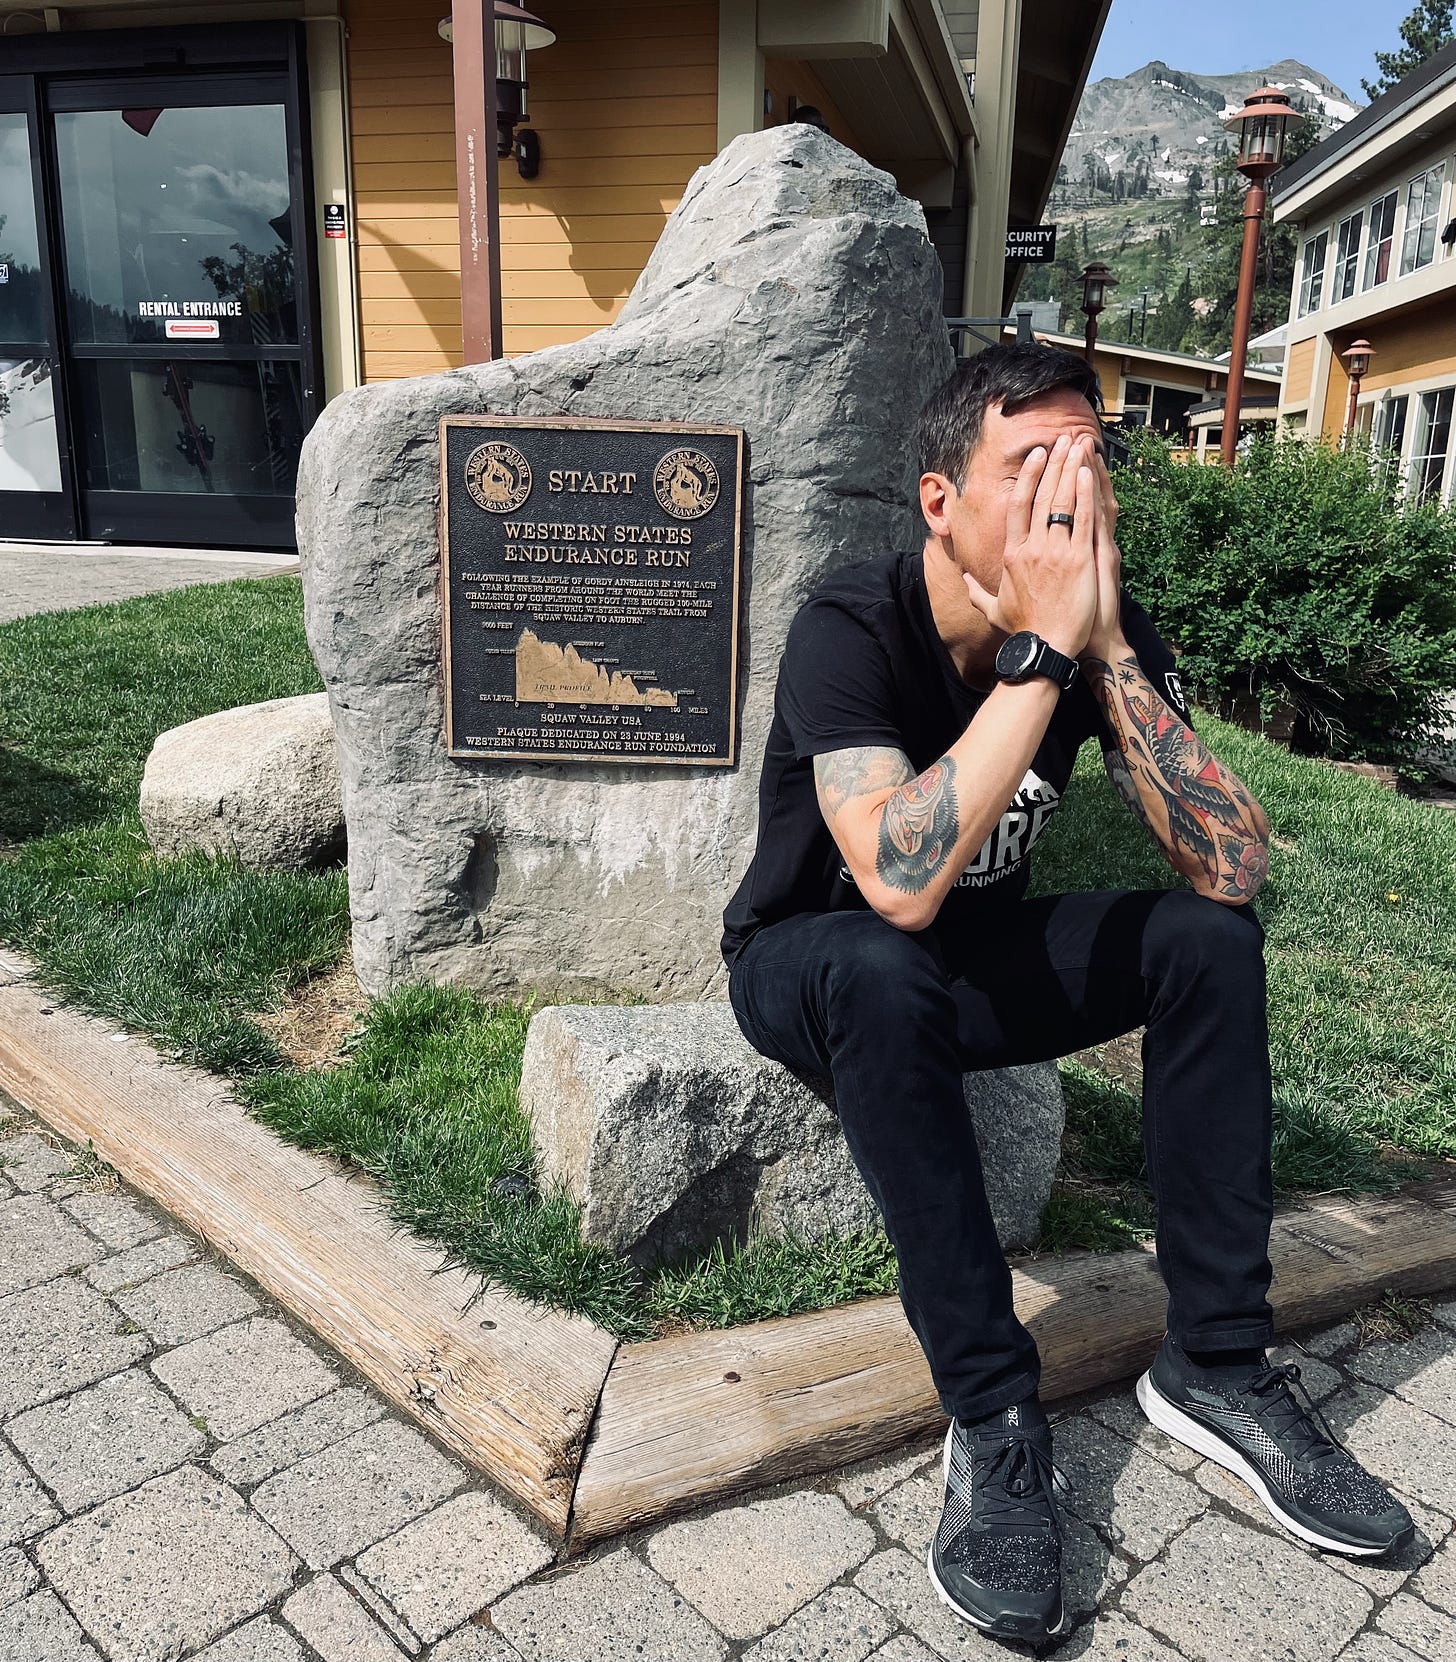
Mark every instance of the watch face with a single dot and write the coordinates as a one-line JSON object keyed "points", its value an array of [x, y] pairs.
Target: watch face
{"points": [[1017, 655]]}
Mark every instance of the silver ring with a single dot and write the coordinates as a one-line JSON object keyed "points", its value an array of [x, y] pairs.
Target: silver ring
{"points": [[1068, 520]]}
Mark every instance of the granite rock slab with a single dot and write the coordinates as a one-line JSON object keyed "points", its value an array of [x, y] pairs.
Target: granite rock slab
{"points": [[260, 782], [793, 294], [672, 1132]]}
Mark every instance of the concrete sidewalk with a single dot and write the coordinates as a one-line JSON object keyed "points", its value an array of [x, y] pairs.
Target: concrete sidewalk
{"points": [[59, 577], [183, 1472]]}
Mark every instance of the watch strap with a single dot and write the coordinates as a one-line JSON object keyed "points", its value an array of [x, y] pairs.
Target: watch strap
{"points": [[1056, 666]]}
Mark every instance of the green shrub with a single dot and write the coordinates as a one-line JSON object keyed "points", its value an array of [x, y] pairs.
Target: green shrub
{"points": [[1297, 579]]}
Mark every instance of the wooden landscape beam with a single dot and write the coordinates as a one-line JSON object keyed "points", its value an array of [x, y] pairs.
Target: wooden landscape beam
{"points": [[593, 1438], [508, 1385], [706, 1415]]}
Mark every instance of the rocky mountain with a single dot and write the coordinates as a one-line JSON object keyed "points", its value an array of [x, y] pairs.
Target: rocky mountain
{"points": [[1158, 124]]}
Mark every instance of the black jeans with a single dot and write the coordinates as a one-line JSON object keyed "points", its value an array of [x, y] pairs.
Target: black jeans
{"points": [[893, 1019]]}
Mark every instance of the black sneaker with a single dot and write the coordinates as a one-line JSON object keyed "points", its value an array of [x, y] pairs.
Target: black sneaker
{"points": [[1249, 1420], [996, 1558]]}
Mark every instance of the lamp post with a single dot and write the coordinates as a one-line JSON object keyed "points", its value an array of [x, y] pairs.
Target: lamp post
{"points": [[488, 108], [1143, 335], [1096, 281], [1357, 363], [1262, 126]]}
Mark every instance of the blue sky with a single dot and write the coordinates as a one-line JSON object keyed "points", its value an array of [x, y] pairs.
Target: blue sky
{"points": [[1338, 37]]}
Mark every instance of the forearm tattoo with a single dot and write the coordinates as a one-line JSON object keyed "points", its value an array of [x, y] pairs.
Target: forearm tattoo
{"points": [[920, 820], [918, 829], [1213, 823]]}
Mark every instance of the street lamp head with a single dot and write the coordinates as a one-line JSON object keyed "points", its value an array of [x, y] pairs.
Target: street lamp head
{"points": [[1262, 125], [1357, 359], [1097, 279], [517, 31]]}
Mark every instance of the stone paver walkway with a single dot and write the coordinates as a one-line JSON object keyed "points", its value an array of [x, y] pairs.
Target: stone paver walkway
{"points": [[58, 577], [184, 1473]]}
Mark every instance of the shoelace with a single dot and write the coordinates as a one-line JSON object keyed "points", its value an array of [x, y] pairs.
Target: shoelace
{"points": [[1290, 1417], [1019, 1468]]}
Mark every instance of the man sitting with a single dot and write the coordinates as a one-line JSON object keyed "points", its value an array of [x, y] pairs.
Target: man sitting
{"points": [[928, 712]]}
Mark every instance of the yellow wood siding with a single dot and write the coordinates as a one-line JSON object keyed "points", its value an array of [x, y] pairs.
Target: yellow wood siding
{"points": [[1299, 373], [625, 104], [1417, 346], [1109, 364], [1337, 393]]}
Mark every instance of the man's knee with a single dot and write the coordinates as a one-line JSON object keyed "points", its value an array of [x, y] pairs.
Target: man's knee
{"points": [[1189, 928], [874, 960]]}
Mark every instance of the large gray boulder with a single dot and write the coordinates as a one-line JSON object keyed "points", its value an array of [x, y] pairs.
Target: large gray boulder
{"points": [[260, 781], [793, 293], [672, 1132]]}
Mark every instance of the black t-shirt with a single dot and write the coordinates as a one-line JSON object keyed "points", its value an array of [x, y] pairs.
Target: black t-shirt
{"points": [[865, 665]]}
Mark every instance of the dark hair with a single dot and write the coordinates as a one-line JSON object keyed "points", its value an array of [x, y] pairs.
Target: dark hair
{"points": [[1012, 375]]}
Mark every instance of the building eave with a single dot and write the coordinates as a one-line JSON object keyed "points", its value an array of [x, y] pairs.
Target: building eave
{"points": [[1398, 116], [1153, 355], [1059, 40]]}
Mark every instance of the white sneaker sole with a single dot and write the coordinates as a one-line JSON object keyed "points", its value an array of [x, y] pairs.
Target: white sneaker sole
{"points": [[981, 1622], [1183, 1428]]}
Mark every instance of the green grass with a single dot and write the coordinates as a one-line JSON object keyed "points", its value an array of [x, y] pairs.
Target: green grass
{"points": [[424, 1098], [426, 1104], [1360, 914], [184, 950]]}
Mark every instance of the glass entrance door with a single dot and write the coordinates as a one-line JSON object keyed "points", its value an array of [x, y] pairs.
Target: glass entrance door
{"points": [[35, 487], [179, 210]]}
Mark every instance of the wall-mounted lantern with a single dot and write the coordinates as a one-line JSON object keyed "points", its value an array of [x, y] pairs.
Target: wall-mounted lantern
{"points": [[517, 32]]}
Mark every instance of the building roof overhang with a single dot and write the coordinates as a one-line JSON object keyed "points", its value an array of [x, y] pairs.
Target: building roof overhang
{"points": [[1408, 118], [1210, 412], [1058, 42], [1153, 356]]}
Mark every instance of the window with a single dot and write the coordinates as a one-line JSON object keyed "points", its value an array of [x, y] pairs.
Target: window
{"points": [[1170, 409], [1388, 434], [1347, 257], [1390, 423], [1427, 470], [1137, 403], [1312, 273], [1164, 409], [1422, 207], [1377, 244]]}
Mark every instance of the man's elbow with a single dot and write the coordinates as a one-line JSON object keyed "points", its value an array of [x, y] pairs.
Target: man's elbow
{"points": [[901, 909], [1239, 876]]}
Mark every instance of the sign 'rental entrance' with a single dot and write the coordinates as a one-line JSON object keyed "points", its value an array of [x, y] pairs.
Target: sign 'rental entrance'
{"points": [[590, 573]]}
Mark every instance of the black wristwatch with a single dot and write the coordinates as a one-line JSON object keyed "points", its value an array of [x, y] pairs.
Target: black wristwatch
{"points": [[1024, 655]]}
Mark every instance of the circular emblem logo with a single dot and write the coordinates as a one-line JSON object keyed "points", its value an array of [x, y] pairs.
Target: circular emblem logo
{"points": [[685, 484], [498, 476]]}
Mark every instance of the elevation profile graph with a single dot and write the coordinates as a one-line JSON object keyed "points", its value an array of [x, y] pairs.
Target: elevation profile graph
{"points": [[547, 673]]}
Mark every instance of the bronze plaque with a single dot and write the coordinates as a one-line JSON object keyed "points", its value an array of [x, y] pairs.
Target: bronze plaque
{"points": [[590, 573]]}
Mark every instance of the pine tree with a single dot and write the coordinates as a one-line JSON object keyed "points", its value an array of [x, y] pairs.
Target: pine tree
{"points": [[1425, 32], [1174, 318]]}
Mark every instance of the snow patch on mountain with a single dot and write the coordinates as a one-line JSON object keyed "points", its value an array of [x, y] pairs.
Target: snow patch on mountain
{"points": [[1165, 122]]}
